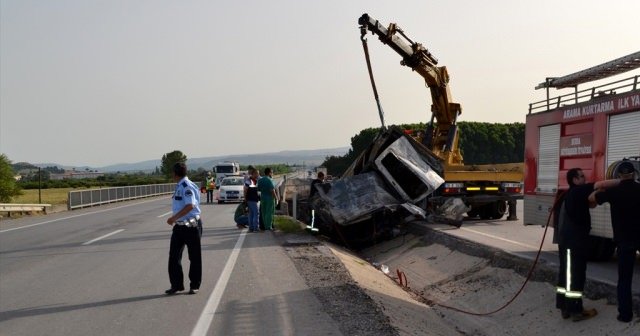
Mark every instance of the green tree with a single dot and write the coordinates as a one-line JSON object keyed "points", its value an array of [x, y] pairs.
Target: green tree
{"points": [[8, 186], [169, 159], [480, 143]]}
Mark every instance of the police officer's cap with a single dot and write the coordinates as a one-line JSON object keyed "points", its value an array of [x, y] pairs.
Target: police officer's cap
{"points": [[626, 167]]}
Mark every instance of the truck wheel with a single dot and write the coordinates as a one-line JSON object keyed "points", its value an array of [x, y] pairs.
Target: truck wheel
{"points": [[600, 249], [473, 213], [498, 209], [485, 211], [220, 202]]}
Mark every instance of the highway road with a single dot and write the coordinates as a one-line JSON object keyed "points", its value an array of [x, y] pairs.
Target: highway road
{"points": [[103, 271]]}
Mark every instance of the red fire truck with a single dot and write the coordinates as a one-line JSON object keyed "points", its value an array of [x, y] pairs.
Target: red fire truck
{"points": [[592, 129]]}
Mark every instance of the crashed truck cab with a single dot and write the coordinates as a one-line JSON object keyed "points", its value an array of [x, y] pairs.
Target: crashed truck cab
{"points": [[383, 187]]}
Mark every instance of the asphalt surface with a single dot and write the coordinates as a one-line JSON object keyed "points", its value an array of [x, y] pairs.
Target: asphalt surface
{"points": [[103, 271]]}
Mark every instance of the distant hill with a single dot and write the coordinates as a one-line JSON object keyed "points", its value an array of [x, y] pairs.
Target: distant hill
{"points": [[313, 157]]}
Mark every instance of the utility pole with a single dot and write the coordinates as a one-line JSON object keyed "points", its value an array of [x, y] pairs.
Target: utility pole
{"points": [[39, 185]]}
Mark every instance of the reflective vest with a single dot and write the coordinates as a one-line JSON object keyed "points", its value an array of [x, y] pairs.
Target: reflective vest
{"points": [[211, 184]]}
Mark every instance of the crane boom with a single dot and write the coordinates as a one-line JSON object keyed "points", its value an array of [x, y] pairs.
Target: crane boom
{"points": [[441, 135]]}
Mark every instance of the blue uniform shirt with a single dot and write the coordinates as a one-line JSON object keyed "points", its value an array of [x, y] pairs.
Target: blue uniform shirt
{"points": [[186, 193]]}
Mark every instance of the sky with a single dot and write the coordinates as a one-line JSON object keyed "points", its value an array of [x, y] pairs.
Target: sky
{"points": [[95, 83]]}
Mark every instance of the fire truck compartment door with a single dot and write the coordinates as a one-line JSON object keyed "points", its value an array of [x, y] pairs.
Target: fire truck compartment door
{"points": [[548, 159]]}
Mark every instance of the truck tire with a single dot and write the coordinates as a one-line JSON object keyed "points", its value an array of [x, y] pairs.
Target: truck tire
{"points": [[495, 210], [485, 212], [473, 213], [600, 249], [498, 209]]}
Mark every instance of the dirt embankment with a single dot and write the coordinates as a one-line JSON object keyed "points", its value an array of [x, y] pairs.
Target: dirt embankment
{"points": [[443, 273]]}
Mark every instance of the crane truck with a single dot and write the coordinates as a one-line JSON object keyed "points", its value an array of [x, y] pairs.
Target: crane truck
{"points": [[486, 189]]}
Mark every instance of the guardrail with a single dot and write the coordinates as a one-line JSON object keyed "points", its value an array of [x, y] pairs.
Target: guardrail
{"points": [[93, 197], [10, 207]]}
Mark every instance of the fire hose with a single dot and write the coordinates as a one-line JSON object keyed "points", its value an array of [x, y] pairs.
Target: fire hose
{"points": [[402, 278]]}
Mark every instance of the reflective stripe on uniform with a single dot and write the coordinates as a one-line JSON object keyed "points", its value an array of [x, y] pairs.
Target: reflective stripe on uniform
{"points": [[573, 295], [561, 290], [568, 270], [568, 293]]}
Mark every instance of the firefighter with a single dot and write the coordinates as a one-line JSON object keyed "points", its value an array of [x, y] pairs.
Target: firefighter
{"points": [[625, 202], [573, 236]]}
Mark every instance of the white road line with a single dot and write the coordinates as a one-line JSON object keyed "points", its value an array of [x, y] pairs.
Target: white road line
{"points": [[80, 215], [535, 248], [164, 214], [204, 322], [103, 237]]}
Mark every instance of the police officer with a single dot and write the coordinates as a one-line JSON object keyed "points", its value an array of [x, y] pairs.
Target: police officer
{"points": [[625, 211], [187, 229], [573, 236]]}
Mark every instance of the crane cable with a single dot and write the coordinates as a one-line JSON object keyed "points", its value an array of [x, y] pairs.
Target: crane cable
{"points": [[363, 32]]}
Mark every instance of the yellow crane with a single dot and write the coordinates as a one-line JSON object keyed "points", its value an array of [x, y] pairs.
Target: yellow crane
{"points": [[485, 188]]}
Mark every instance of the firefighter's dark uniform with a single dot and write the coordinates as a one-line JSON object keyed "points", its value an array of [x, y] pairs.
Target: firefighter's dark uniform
{"points": [[625, 219], [573, 236]]}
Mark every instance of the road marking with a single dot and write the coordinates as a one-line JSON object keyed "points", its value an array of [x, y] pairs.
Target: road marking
{"points": [[103, 237], [75, 216], [535, 248], [204, 322], [164, 214]]}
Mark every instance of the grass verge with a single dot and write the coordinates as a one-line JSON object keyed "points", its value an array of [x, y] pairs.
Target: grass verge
{"points": [[52, 196], [287, 224]]}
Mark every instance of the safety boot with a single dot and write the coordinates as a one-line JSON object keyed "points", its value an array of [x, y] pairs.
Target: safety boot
{"points": [[584, 315]]}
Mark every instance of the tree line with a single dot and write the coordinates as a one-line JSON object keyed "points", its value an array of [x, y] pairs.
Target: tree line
{"points": [[480, 143]]}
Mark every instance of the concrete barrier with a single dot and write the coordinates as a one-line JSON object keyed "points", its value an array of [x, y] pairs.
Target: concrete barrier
{"points": [[21, 208]]}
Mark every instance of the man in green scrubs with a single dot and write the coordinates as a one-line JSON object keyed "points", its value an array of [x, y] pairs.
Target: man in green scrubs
{"points": [[268, 198]]}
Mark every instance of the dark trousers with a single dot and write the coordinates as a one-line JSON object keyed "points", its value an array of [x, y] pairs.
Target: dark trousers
{"points": [[571, 277], [626, 259], [209, 195], [190, 236], [561, 287]]}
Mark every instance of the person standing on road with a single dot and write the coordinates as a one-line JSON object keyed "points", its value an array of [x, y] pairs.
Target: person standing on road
{"points": [[573, 236], [187, 230], [210, 185], [318, 180], [253, 199], [625, 210], [268, 198]]}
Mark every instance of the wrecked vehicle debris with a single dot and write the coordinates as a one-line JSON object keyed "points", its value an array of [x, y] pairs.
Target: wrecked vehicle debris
{"points": [[450, 212], [379, 191]]}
